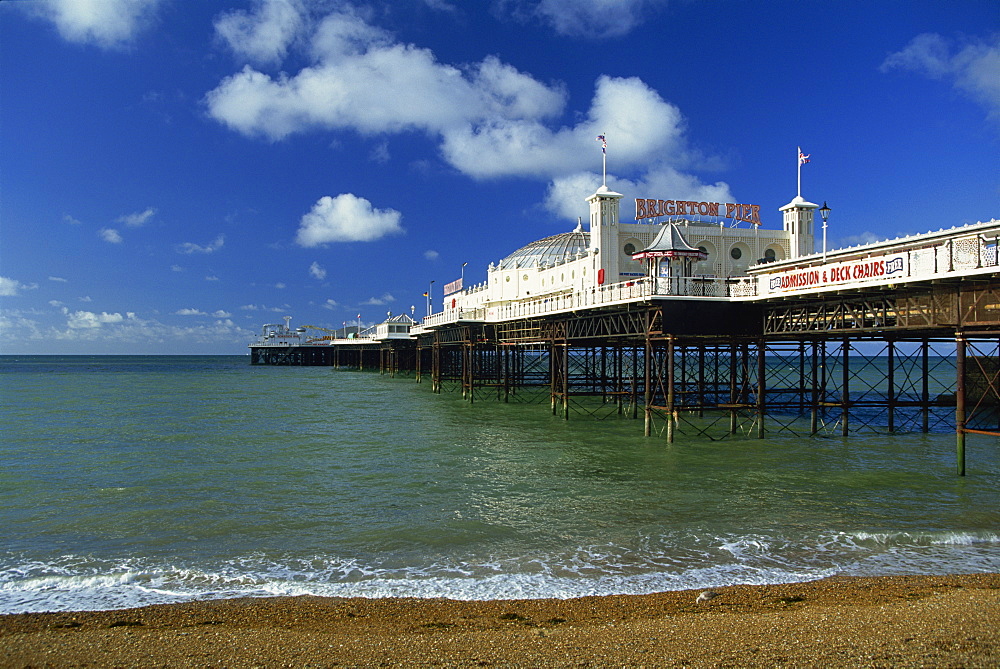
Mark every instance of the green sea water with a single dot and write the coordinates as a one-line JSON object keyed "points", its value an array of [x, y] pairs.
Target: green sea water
{"points": [[138, 480]]}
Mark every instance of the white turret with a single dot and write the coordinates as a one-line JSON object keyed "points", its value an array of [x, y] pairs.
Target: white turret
{"points": [[604, 206], [798, 222]]}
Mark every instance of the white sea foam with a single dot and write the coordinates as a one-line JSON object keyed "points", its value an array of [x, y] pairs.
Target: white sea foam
{"points": [[657, 564]]}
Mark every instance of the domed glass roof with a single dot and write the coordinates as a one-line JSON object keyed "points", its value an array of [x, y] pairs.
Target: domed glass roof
{"points": [[564, 246]]}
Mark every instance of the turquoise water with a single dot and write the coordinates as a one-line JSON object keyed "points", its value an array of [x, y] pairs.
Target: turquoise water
{"points": [[139, 480]]}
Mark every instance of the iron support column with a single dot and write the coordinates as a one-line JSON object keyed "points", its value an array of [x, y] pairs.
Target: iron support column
{"points": [[960, 402]]}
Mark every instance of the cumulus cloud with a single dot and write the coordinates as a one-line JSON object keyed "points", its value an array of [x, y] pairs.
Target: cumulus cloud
{"points": [[566, 195], [58, 279], [189, 247], [431, 254], [491, 120], [584, 18], [221, 314], [330, 304], [316, 271], [857, 240], [138, 218], [110, 235], [378, 301], [69, 219], [263, 35], [9, 287], [88, 319], [638, 123], [106, 23], [972, 67], [355, 64], [189, 312], [346, 218], [108, 332]]}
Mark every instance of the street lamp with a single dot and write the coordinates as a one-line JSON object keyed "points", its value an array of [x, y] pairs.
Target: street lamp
{"points": [[824, 212], [430, 289]]}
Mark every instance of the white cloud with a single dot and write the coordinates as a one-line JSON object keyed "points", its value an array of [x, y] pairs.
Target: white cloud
{"points": [[69, 219], [280, 286], [189, 247], [585, 18], [345, 89], [189, 312], [176, 268], [492, 120], [566, 195], [221, 314], [330, 304], [137, 219], [104, 332], [973, 68], [316, 271], [55, 303], [58, 279], [265, 35], [431, 254], [857, 240], [377, 301], [110, 235], [9, 287], [639, 125], [212, 278], [106, 23], [88, 319], [346, 218]]}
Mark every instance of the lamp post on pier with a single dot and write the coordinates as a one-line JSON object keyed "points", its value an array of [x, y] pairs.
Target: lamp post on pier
{"points": [[428, 296], [824, 211]]}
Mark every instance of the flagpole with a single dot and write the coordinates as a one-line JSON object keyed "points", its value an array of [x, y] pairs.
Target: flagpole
{"points": [[604, 162], [798, 160], [604, 157]]}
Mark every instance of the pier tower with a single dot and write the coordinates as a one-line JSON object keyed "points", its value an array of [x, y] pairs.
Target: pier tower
{"points": [[798, 223], [604, 211]]}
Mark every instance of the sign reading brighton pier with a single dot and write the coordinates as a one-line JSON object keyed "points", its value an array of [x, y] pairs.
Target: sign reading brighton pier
{"points": [[750, 213], [816, 278]]}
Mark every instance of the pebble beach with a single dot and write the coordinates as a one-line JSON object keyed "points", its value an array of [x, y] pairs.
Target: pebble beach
{"points": [[893, 621]]}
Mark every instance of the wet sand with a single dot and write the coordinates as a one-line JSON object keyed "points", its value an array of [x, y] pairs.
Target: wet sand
{"points": [[907, 621]]}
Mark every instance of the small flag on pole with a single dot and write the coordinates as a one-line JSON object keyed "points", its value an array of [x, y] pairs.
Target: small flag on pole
{"points": [[604, 143], [803, 157], [426, 295]]}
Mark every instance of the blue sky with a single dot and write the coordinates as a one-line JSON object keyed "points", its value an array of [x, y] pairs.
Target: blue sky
{"points": [[174, 174]]}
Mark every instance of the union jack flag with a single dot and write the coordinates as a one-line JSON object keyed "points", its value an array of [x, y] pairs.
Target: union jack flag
{"points": [[604, 143], [803, 157]]}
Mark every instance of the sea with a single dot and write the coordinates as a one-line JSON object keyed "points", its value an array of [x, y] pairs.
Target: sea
{"points": [[138, 480]]}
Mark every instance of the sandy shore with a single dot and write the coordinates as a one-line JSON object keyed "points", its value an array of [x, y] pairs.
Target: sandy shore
{"points": [[919, 621]]}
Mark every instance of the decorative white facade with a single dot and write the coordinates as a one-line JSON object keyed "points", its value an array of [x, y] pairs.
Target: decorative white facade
{"points": [[581, 261]]}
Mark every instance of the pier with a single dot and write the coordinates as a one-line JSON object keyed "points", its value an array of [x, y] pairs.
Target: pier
{"points": [[898, 336]]}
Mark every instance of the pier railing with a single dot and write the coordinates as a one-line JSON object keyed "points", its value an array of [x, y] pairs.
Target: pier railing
{"points": [[616, 293]]}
